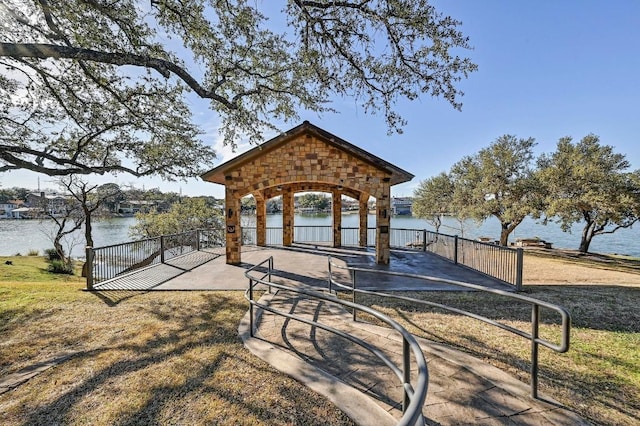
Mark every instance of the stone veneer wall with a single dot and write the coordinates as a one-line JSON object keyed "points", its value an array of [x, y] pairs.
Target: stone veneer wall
{"points": [[304, 162], [306, 159]]}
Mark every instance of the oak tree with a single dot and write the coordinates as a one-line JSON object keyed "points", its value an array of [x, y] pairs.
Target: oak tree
{"points": [[498, 181], [100, 86], [433, 198], [187, 215], [314, 201], [587, 182]]}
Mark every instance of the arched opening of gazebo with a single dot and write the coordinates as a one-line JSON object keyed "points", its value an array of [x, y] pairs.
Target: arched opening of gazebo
{"points": [[304, 159]]}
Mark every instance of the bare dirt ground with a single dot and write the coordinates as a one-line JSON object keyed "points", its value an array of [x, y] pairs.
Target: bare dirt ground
{"points": [[570, 267]]}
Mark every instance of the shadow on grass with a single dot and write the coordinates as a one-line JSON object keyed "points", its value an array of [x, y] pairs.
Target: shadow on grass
{"points": [[189, 368]]}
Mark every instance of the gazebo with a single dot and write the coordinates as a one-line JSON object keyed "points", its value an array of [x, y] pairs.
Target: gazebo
{"points": [[304, 159]]}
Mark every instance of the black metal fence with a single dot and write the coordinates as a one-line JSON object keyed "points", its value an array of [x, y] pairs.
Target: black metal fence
{"points": [[503, 263], [105, 263]]}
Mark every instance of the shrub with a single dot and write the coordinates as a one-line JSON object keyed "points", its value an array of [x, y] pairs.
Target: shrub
{"points": [[59, 267], [33, 252], [51, 254]]}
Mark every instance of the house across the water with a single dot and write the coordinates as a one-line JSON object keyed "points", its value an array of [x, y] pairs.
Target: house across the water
{"points": [[401, 206]]}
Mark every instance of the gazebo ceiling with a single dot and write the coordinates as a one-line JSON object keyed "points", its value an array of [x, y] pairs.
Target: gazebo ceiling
{"points": [[217, 174]]}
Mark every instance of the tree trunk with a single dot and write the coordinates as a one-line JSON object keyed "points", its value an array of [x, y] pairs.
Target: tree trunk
{"points": [[87, 229], [504, 234], [57, 245], [587, 236], [437, 223], [506, 228]]}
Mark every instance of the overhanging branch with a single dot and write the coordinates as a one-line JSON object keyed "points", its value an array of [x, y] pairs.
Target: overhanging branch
{"points": [[162, 66]]}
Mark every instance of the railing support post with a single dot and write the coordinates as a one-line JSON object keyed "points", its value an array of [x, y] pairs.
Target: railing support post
{"points": [[406, 366], [197, 240], [251, 308], [162, 249], [535, 313], [424, 240], [270, 269], [330, 276], [353, 290], [455, 249], [519, 268], [89, 269]]}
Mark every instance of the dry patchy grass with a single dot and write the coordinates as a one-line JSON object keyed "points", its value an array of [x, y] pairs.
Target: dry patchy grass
{"points": [[571, 267], [140, 358]]}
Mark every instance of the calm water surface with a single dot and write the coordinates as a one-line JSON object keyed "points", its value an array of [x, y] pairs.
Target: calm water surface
{"points": [[20, 236]]}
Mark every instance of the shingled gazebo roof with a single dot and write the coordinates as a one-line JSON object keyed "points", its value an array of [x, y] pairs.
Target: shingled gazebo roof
{"points": [[217, 174]]}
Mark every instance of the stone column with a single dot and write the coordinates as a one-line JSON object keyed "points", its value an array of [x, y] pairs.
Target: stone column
{"points": [[364, 215], [336, 207], [383, 220], [287, 216], [233, 231], [261, 219]]}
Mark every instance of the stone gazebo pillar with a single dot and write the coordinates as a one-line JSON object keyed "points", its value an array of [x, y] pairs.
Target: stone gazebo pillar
{"points": [[261, 219], [383, 220], [336, 207], [287, 216], [363, 212], [233, 231]]}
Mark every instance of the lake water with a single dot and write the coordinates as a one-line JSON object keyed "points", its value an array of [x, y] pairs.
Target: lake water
{"points": [[20, 236]]}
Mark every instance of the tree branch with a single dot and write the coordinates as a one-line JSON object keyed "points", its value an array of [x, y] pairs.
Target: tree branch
{"points": [[162, 66]]}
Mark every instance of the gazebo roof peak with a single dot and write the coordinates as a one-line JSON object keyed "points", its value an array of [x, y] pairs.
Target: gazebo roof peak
{"points": [[217, 174]]}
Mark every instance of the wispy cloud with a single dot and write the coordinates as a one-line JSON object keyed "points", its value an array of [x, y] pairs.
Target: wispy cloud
{"points": [[226, 152]]}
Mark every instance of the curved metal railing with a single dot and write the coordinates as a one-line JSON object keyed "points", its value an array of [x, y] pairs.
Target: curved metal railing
{"points": [[536, 304], [413, 398]]}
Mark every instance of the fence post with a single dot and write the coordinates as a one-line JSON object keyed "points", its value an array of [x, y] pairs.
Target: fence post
{"points": [[455, 249], [89, 262], [424, 240], [162, 249], [270, 270], [197, 240], [519, 268]]}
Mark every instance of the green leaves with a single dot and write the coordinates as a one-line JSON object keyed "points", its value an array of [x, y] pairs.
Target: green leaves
{"points": [[314, 201], [497, 181], [187, 215]]}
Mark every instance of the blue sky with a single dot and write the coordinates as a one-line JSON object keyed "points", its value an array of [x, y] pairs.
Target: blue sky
{"points": [[547, 69]]}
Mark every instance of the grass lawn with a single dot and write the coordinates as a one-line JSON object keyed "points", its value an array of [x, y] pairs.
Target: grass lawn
{"points": [[137, 358]]}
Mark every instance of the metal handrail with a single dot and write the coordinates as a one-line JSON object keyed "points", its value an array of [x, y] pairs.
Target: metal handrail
{"points": [[413, 399], [534, 337]]}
